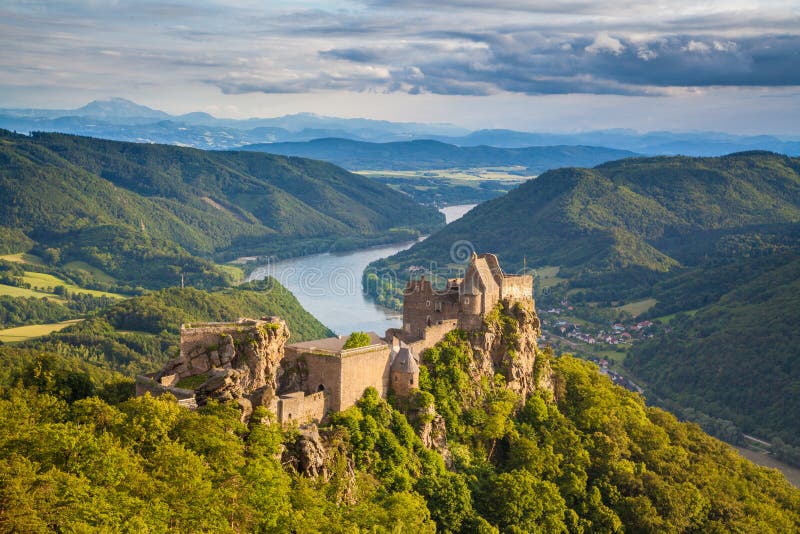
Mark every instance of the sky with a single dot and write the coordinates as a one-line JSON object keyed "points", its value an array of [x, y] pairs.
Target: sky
{"points": [[536, 65]]}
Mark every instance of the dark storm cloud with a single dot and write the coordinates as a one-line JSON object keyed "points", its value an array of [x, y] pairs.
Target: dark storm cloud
{"points": [[536, 64]]}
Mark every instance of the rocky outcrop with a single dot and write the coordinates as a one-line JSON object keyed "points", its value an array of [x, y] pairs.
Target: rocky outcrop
{"points": [[433, 433], [241, 361], [308, 456], [507, 345]]}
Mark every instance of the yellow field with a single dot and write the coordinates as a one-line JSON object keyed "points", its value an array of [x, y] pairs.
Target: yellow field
{"points": [[46, 282], [96, 273], [23, 257], [639, 307], [24, 333], [13, 291]]}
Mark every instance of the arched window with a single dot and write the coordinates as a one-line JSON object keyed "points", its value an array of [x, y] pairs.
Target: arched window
{"points": [[321, 388], [411, 380]]}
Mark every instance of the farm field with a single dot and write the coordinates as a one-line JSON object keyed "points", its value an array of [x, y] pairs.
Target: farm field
{"points": [[14, 291], [46, 282], [547, 276], [23, 257], [96, 273], [24, 333], [512, 174], [639, 307]]}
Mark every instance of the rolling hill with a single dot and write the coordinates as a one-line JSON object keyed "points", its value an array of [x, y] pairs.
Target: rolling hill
{"points": [[145, 213], [426, 154], [141, 333], [714, 240], [626, 215]]}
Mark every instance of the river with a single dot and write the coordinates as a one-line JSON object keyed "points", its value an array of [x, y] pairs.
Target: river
{"points": [[329, 285]]}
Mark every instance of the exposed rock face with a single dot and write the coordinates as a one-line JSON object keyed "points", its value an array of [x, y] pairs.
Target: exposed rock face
{"points": [[240, 360], [308, 456], [507, 345], [434, 435]]}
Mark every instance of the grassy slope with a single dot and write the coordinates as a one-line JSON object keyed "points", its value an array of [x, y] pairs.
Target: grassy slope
{"points": [[28, 332]]}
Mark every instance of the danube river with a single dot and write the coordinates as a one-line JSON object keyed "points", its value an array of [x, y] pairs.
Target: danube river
{"points": [[329, 285]]}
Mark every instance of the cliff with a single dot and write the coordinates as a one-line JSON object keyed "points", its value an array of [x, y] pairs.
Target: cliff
{"points": [[506, 345], [229, 361]]}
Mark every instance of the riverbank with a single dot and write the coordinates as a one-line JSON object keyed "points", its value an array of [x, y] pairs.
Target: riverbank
{"points": [[792, 474], [329, 284]]}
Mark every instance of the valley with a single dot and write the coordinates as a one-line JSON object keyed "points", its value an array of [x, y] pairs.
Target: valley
{"points": [[400, 267]]}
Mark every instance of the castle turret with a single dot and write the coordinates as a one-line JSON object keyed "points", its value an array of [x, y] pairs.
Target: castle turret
{"points": [[404, 374]]}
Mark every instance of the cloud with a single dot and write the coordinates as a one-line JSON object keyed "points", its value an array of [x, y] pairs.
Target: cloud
{"points": [[696, 46], [531, 47], [605, 43]]}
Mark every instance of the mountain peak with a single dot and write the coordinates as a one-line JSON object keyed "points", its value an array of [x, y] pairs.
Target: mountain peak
{"points": [[116, 108]]}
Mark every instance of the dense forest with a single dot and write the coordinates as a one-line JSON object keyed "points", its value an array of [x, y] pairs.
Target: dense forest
{"points": [[581, 455], [714, 240], [141, 333], [144, 213], [426, 154], [737, 358]]}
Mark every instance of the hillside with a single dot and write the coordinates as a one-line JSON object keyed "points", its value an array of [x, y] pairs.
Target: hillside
{"points": [[144, 213], [141, 333], [426, 154], [714, 240], [579, 455], [622, 216], [736, 359]]}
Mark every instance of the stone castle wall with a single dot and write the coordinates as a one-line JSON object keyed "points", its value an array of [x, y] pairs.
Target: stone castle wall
{"points": [[303, 408], [362, 370], [306, 371], [518, 287]]}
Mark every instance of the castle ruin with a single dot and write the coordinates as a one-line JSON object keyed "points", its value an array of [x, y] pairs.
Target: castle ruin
{"points": [[249, 361]]}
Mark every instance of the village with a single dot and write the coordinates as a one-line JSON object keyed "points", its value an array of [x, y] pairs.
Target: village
{"points": [[604, 344]]}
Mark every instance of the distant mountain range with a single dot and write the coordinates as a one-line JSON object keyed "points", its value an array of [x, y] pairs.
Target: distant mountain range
{"points": [[426, 154], [124, 120]]}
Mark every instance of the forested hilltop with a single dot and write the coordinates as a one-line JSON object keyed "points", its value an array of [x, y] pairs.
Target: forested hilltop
{"points": [[145, 213], [696, 257], [139, 334], [577, 455], [426, 154]]}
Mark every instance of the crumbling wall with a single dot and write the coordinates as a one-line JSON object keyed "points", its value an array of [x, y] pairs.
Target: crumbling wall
{"points": [[309, 372], [517, 287]]}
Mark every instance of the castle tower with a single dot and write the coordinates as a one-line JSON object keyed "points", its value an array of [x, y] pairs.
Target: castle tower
{"points": [[404, 372]]}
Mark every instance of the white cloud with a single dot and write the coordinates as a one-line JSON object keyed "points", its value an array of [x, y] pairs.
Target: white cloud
{"points": [[645, 54], [725, 46], [696, 46], [605, 43]]}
